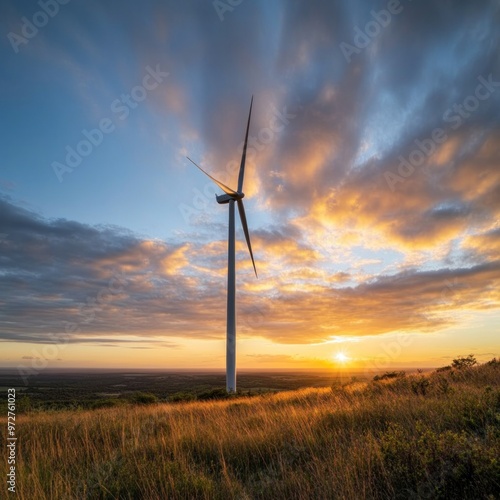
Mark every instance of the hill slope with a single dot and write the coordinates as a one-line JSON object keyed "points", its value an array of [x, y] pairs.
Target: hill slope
{"points": [[433, 436]]}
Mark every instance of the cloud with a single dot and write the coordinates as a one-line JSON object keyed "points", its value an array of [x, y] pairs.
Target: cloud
{"points": [[330, 214], [484, 246], [410, 301], [71, 282], [61, 276], [359, 118]]}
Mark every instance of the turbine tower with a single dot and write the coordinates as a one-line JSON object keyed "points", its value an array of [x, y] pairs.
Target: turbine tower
{"points": [[230, 197]]}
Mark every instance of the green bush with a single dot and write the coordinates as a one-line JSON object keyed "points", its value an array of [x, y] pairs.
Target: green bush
{"points": [[142, 398], [181, 396], [213, 394]]}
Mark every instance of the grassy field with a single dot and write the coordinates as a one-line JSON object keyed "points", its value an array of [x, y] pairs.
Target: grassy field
{"points": [[434, 435]]}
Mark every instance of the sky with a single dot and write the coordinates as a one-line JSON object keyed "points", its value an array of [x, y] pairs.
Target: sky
{"points": [[372, 186]]}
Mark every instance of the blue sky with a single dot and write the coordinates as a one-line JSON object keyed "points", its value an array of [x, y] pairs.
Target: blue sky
{"points": [[364, 224]]}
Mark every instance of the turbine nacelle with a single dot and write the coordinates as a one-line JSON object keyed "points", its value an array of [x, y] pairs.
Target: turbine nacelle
{"points": [[226, 198]]}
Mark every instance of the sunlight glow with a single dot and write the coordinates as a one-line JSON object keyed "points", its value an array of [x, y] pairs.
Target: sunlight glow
{"points": [[341, 357]]}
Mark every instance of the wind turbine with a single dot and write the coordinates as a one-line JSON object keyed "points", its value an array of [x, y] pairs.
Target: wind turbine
{"points": [[230, 197]]}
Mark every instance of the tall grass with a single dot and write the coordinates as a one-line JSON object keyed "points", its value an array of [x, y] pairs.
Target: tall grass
{"points": [[380, 440]]}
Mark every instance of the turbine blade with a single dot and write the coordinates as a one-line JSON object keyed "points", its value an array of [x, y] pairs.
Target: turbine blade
{"points": [[243, 217], [244, 155], [224, 188]]}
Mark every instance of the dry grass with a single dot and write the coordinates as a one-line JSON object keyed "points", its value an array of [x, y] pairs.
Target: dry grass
{"points": [[376, 440]]}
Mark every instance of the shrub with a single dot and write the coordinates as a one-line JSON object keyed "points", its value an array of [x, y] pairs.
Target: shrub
{"points": [[420, 385], [105, 403], [213, 394], [181, 396], [389, 375], [443, 385], [142, 398], [444, 369], [462, 363]]}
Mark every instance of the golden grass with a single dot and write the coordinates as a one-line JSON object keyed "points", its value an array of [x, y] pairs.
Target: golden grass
{"points": [[363, 440]]}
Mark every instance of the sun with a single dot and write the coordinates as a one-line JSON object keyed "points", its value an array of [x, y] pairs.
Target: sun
{"points": [[341, 357]]}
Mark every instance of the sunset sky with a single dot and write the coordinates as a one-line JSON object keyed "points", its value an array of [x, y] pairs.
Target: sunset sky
{"points": [[372, 184]]}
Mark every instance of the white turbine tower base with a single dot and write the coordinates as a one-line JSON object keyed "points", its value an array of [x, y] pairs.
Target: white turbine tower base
{"points": [[230, 197]]}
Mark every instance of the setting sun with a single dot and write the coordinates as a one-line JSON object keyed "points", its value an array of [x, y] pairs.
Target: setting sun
{"points": [[341, 357]]}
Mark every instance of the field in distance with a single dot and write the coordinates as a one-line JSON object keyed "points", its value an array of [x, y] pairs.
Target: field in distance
{"points": [[88, 389]]}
